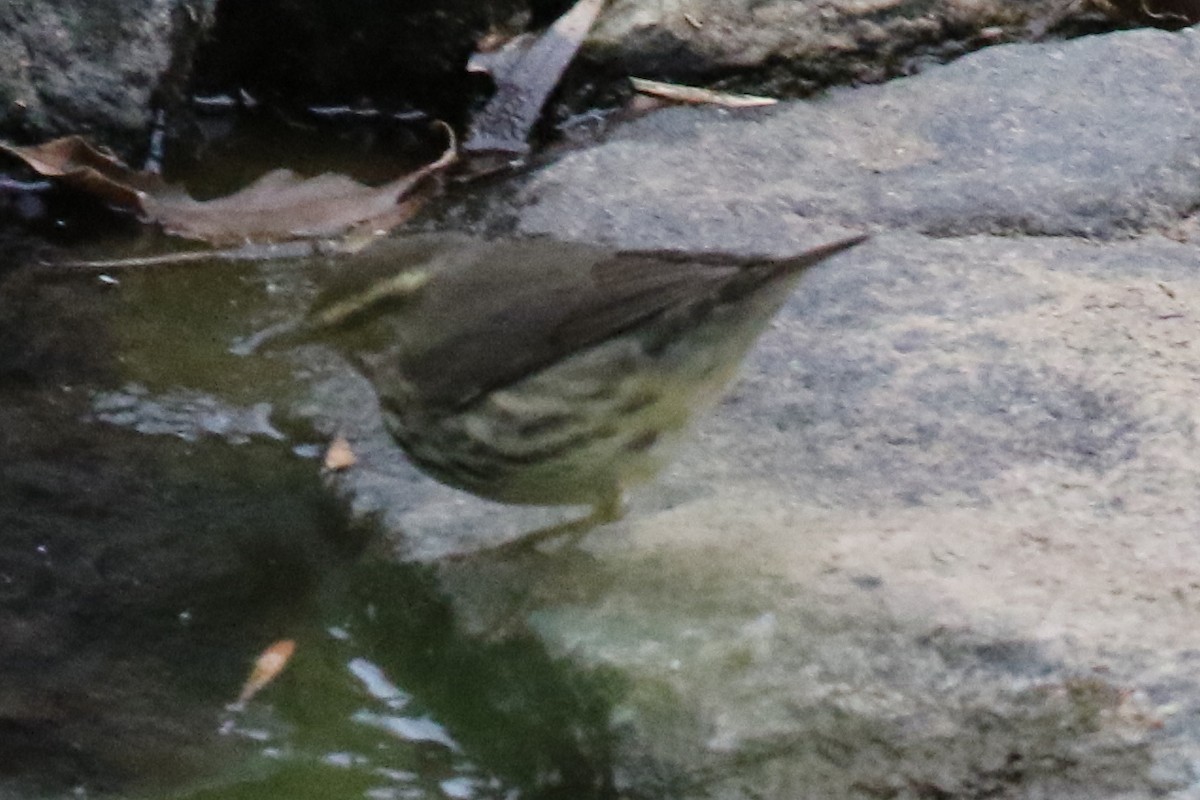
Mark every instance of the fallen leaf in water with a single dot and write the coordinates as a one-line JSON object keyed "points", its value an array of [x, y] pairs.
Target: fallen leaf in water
{"points": [[526, 69], [268, 666], [339, 455], [95, 170], [694, 94], [279, 206]]}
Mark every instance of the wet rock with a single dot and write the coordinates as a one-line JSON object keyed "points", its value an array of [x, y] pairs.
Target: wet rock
{"points": [[798, 47], [815, 690], [80, 66], [188, 415]]}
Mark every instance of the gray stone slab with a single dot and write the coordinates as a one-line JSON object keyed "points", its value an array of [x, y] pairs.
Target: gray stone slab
{"points": [[1097, 136]]}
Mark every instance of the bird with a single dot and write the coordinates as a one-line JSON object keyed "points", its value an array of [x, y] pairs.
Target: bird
{"points": [[546, 372]]}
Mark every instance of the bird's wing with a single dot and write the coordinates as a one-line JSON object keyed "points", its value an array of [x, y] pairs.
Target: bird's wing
{"points": [[502, 332]]}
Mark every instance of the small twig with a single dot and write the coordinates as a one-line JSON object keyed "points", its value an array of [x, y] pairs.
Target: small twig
{"points": [[250, 252]]}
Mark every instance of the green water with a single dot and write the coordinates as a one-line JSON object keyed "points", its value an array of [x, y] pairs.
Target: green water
{"points": [[385, 698], [162, 532]]}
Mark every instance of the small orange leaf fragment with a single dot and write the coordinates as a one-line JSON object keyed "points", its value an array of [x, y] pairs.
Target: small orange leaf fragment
{"points": [[339, 455], [268, 666]]}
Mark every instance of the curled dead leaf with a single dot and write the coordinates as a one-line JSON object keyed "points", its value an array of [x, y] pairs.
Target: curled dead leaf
{"points": [[279, 206], [94, 170]]}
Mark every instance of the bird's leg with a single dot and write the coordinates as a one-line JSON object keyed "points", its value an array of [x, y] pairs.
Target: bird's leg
{"points": [[607, 508]]}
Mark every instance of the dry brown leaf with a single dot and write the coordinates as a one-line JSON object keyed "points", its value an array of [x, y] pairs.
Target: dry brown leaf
{"points": [[268, 666], [94, 170], [279, 206], [339, 455], [694, 94]]}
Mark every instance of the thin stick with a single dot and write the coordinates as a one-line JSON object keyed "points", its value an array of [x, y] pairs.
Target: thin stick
{"points": [[252, 252]]}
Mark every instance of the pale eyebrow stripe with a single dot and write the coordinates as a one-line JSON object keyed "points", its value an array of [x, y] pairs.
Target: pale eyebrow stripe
{"points": [[398, 286]]}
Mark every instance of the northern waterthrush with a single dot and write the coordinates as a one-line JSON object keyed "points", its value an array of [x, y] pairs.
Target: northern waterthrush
{"points": [[544, 372]]}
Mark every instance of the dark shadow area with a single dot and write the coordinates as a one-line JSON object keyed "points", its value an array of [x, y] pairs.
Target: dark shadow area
{"points": [[297, 53], [137, 574]]}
